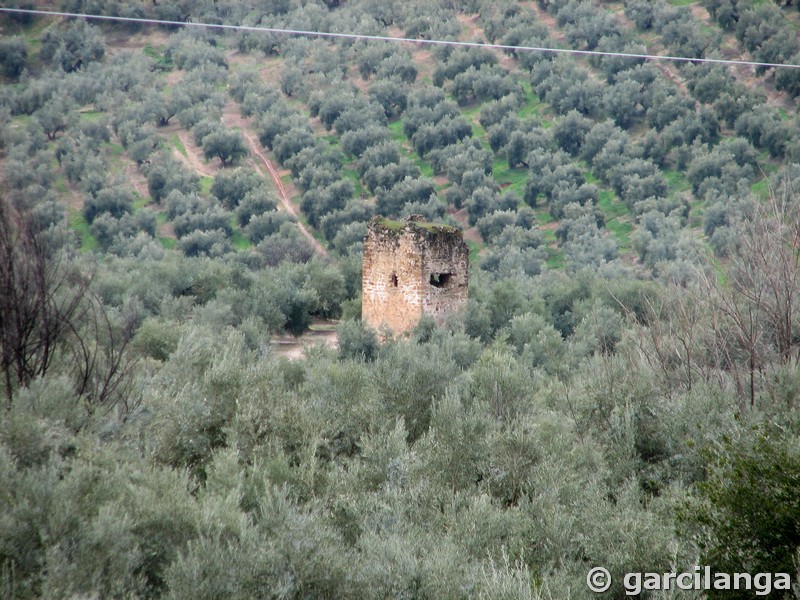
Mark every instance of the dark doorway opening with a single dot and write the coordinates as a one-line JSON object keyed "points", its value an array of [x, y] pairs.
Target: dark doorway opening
{"points": [[393, 280]]}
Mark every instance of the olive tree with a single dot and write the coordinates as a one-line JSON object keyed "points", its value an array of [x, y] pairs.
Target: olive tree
{"points": [[13, 56], [228, 146], [73, 46]]}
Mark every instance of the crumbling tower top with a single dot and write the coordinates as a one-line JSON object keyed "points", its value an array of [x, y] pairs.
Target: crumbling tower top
{"points": [[412, 268]]}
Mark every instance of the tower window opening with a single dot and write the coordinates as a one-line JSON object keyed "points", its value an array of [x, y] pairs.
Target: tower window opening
{"points": [[440, 280], [393, 280]]}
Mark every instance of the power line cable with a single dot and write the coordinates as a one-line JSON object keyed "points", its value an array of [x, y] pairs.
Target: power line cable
{"points": [[381, 38]]}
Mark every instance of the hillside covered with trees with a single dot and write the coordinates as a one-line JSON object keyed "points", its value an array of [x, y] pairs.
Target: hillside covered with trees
{"points": [[621, 391]]}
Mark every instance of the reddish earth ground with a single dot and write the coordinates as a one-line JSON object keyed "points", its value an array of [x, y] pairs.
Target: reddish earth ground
{"points": [[470, 233], [194, 158]]}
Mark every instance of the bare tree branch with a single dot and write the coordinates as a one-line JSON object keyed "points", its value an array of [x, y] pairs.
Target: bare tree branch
{"points": [[48, 313]]}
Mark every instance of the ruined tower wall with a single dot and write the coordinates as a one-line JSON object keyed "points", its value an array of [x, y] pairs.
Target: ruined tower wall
{"points": [[450, 261], [410, 270], [391, 291]]}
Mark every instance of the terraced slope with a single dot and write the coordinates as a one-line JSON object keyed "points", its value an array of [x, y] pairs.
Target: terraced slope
{"points": [[616, 158]]}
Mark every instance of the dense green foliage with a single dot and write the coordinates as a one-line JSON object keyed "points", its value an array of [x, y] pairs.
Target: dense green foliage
{"points": [[179, 205], [745, 507]]}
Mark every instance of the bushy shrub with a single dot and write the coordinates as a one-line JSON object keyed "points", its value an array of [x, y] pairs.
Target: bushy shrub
{"points": [[357, 341]]}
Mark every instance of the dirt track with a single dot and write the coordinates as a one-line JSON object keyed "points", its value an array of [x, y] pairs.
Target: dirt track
{"points": [[231, 119]]}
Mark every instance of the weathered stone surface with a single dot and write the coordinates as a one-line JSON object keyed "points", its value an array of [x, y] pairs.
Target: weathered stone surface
{"points": [[412, 268]]}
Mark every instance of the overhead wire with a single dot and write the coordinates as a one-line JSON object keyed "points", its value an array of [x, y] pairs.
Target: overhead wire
{"points": [[382, 38]]}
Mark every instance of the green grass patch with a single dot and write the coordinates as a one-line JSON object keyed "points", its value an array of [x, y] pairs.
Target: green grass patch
{"points": [[511, 180], [152, 52], [396, 127], [622, 231], [485, 144], [549, 235], [162, 62], [676, 180], [176, 141], [78, 223], [205, 185], [60, 185], [424, 166], [472, 110], [766, 163], [140, 202], [393, 225], [115, 149], [611, 205], [317, 235], [696, 210], [91, 115], [168, 243], [555, 259], [239, 240], [33, 36], [221, 43], [162, 218], [649, 38], [543, 216], [760, 189], [352, 175], [532, 106], [21, 120], [440, 187], [709, 30], [474, 250]]}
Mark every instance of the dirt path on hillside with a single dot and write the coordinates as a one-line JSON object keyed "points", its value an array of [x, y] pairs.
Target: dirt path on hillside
{"points": [[231, 119], [134, 177], [193, 158]]}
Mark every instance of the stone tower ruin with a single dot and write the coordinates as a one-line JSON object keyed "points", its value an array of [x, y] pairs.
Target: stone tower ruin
{"points": [[411, 269]]}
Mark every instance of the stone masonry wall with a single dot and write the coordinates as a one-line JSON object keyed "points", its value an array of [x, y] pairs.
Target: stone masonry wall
{"points": [[412, 269]]}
